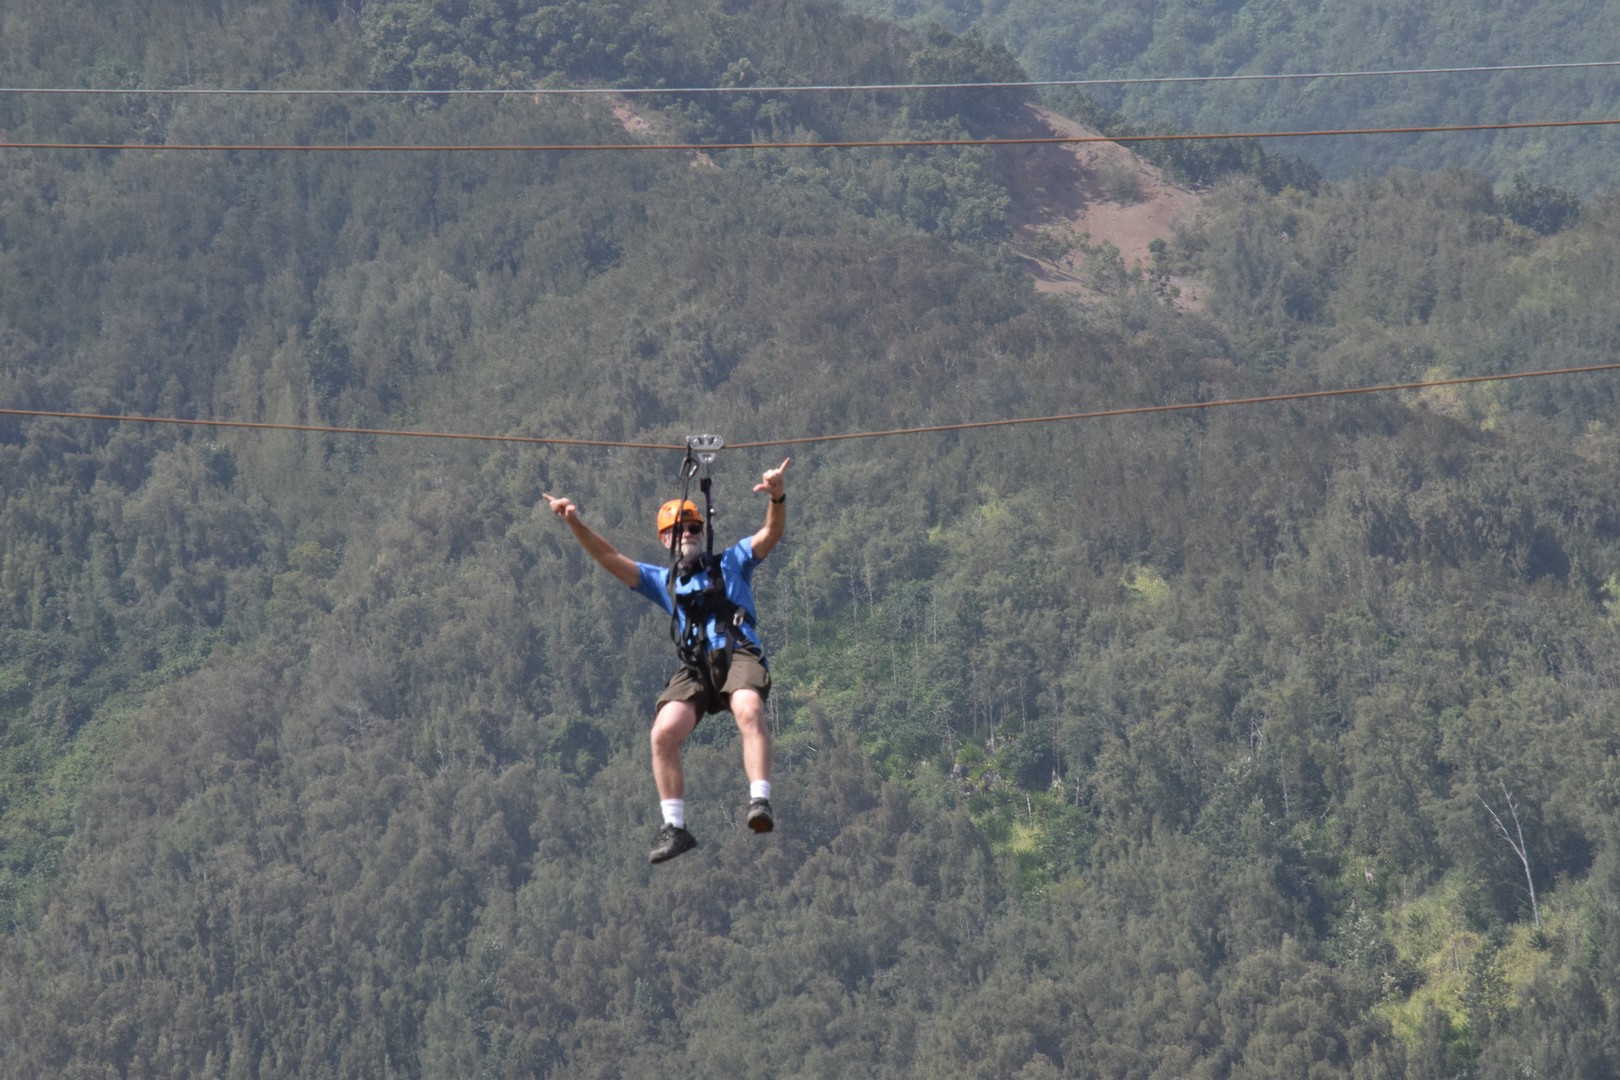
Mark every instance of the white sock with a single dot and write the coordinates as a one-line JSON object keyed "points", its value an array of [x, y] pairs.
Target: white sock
{"points": [[674, 812], [759, 789]]}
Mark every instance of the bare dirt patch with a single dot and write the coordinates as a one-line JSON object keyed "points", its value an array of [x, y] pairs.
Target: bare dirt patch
{"points": [[1095, 192], [1069, 200], [640, 127]]}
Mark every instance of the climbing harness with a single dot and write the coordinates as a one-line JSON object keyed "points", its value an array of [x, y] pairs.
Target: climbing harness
{"points": [[697, 586]]}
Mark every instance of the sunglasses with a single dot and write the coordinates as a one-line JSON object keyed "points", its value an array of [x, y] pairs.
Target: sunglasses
{"points": [[690, 528]]}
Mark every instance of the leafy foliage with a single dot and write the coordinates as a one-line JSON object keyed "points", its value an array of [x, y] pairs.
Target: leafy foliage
{"points": [[1541, 207], [1147, 43], [1142, 747]]}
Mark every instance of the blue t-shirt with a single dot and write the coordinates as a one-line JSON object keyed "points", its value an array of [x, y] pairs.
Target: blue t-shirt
{"points": [[737, 564]]}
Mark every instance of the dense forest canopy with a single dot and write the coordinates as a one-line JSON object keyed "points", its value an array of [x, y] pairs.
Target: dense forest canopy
{"points": [[1220, 744], [1149, 40]]}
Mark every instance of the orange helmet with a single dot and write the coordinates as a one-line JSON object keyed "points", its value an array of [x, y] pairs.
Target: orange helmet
{"points": [[677, 510]]}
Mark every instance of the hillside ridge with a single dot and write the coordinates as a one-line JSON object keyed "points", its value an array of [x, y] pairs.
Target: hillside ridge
{"points": [[1095, 192]]}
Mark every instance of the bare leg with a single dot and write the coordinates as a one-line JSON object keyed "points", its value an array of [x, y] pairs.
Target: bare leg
{"points": [[674, 722], [749, 710]]}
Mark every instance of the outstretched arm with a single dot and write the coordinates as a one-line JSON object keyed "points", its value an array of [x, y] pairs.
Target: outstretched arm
{"points": [[775, 511], [620, 566]]}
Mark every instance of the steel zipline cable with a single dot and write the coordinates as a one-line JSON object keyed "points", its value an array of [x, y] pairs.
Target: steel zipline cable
{"points": [[1042, 140], [322, 429], [590, 91], [1187, 406], [976, 425]]}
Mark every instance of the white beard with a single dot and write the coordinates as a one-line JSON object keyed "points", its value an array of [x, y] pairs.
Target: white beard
{"points": [[691, 546]]}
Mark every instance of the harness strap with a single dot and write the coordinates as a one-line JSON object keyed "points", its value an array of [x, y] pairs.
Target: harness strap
{"points": [[699, 606]]}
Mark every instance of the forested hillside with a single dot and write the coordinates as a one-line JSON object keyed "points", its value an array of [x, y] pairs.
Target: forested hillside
{"points": [[1149, 40], [1224, 744]]}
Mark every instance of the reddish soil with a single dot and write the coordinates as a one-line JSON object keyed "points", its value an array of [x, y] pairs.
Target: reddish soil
{"points": [[1065, 197], [1091, 192]]}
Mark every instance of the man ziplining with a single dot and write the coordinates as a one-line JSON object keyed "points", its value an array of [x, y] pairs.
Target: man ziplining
{"points": [[722, 658]]}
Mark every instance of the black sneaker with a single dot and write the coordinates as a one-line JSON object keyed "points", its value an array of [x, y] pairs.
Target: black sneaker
{"points": [[759, 816], [671, 841]]}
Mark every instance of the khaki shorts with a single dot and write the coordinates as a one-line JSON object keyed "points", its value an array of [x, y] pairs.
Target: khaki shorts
{"points": [[747, 672]]}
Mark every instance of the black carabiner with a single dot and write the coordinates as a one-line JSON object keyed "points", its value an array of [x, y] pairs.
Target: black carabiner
{"points": [[708, 513]]}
